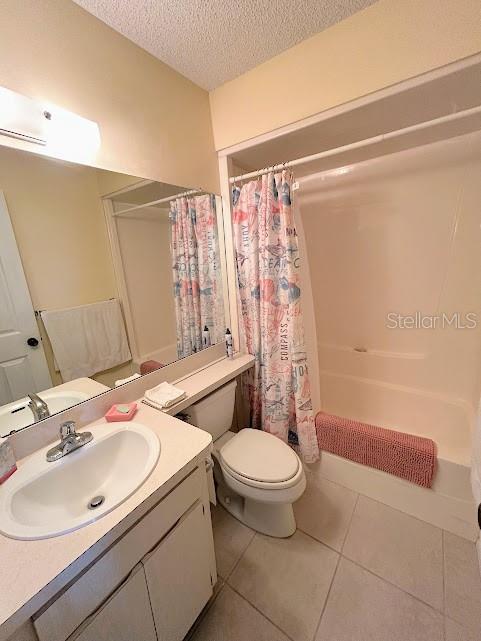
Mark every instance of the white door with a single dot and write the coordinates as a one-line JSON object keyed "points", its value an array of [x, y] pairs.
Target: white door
{"points": [[23, 367]]}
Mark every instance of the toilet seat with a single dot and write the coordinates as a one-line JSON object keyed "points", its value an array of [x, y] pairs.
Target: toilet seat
{"points": [[260, 460]]}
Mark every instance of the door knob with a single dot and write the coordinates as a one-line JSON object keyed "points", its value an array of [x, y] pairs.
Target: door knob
{"points": [[32, 342]]}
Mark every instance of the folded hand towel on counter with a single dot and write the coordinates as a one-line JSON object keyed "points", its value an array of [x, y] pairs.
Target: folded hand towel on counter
{"points": [[163, 396], [121, 381], [87, 339]]}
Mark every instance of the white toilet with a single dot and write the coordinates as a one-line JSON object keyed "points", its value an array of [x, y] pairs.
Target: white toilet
{"points": [[258, 476]]}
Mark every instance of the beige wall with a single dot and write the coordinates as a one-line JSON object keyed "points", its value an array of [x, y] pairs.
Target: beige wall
{"points": [[59, 225], [153, 122], [388, 42], [61, 235], [397, 234], [110, 181]]}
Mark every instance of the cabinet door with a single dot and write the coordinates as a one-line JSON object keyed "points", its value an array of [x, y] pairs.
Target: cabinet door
{"points": [[178, 576], [126, 616]]}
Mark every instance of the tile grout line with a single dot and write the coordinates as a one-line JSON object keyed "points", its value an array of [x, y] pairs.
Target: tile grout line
{"points": [[260, 611], [252, 604], [213, 599], [234, 567], [263, 615], [326, 545], [244, 597], [348, 529], [378, 576], [413, 596], [391, 507], [327, 597], [329, 547], [198, 622]]}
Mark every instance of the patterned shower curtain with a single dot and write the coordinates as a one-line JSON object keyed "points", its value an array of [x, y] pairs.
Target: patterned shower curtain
{"points": [[196, 272], [267, 256]]}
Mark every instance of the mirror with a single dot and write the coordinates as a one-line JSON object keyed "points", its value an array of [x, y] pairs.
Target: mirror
{"points": [[103, 276]]}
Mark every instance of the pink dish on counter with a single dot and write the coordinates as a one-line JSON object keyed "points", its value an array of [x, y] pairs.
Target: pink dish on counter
{"points": [[121, 412]]}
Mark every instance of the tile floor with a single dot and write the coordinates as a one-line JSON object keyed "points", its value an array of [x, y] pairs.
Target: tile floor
{"points": [[355, 570]]}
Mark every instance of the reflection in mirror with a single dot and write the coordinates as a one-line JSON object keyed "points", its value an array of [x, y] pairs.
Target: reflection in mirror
{"points": [[103, 277]]}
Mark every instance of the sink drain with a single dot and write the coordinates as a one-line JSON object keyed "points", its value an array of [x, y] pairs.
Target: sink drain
{"points": [[95, 502]]}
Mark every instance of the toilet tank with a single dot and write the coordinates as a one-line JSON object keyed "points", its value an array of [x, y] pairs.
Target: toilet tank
{"points": [[214, 413]]}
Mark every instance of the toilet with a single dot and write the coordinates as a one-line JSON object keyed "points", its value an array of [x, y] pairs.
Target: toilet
{"points": [[258, 476]]}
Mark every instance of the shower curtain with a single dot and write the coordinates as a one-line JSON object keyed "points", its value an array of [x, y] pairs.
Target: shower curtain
{"points": [[267, 257], [196, 272]]}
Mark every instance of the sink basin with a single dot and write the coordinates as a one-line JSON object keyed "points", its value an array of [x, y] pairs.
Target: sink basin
{"points": [[17, 415], [43, 499]]}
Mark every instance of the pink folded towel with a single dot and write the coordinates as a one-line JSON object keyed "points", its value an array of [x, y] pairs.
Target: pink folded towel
{"points": [[410, 457]]}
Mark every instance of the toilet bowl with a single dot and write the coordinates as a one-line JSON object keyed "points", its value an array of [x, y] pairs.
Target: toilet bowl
{"points": [[258, 477]]}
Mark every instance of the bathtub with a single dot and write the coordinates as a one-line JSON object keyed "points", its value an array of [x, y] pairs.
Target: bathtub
{"points": [[448, 422]]}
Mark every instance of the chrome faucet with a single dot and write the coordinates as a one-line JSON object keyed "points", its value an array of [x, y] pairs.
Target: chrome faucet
{"points": [[70, 440], [39, 407]]}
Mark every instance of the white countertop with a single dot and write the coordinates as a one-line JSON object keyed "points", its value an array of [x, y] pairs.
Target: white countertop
{"points": [[32, 572], [198, 384]]}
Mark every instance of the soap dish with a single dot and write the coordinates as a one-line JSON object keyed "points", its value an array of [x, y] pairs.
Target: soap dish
{"points": [[121, 412]]}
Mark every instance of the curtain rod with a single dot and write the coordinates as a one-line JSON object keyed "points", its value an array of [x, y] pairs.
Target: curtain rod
{"points": [[362, 143], [167, 199]]}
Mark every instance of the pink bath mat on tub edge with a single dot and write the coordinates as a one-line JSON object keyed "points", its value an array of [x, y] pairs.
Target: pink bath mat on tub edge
{"points": [[410, 457]]}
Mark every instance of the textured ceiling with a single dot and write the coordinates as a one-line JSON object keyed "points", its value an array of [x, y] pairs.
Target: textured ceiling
{"points": [[212, 41]]}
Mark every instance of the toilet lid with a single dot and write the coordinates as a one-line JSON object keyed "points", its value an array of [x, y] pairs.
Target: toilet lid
{"points": [[260, 456]]}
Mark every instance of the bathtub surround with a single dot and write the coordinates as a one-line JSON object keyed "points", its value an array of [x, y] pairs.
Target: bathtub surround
{"points": [[267, 256], [407, 227], [408, 230]]}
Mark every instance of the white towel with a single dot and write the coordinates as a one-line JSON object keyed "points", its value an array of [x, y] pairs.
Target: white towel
{"points": [[121, 381], [476, 471], [164, 395], [87, 339]]}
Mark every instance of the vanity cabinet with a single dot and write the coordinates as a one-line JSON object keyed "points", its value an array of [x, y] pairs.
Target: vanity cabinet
{"points": [[125, 617], [151, 584], [178, 576]]}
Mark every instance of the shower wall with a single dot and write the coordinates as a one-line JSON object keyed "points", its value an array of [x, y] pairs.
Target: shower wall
{"points": [[401, 235], [144, 240]]}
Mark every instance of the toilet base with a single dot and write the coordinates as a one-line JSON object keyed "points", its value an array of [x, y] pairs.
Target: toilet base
{"points": [[273, 519]]}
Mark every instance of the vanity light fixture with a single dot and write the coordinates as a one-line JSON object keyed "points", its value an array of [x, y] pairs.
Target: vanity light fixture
{"points": [[62, 134], [22, 118]]}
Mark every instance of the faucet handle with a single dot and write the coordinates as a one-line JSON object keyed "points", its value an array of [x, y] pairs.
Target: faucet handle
{"points": [[67, 429]]}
